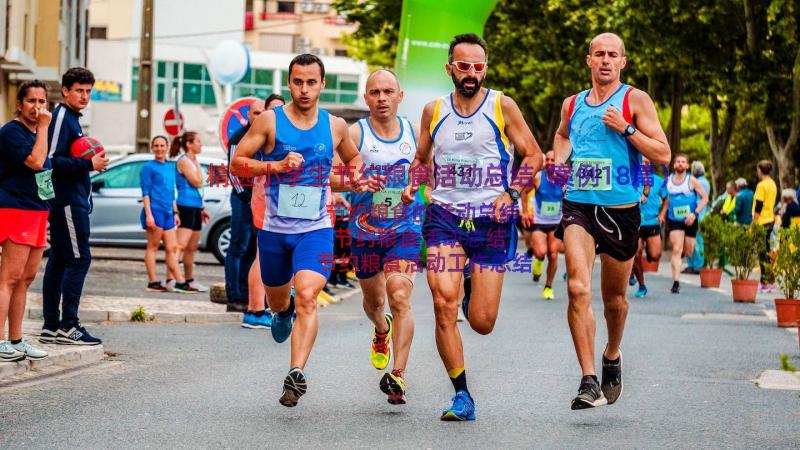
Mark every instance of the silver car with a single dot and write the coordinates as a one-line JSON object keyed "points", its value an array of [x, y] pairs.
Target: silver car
{"points": [[117, 201]]}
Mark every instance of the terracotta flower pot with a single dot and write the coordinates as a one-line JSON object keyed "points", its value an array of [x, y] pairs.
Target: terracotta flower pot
{"points": [[788, 312], [710, 278], [648, 266], [744, 291]]}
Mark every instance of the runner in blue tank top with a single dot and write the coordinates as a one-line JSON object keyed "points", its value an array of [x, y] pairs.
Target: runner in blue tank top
{"points": [[385, 234], [653, 195], [603, 132], [295, 237], [547, 216], [686, 198]]}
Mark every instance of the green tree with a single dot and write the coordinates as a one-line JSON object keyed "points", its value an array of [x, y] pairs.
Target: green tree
{"points": [[375, 40]]}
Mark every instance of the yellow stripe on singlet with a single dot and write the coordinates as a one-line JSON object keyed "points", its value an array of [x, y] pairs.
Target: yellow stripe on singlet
{"points": [[501, 121], [435, 117]]}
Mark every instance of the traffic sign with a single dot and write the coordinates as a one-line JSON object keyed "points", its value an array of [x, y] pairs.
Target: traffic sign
{"points": [[234, 118], [173, 123]]}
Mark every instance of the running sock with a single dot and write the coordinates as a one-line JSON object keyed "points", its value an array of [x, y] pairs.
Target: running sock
{"points": [[459, 379], [190, 280], [611, 362], [529, 253], [15, 342], [547, 286], [258, 313], [587, 377]]}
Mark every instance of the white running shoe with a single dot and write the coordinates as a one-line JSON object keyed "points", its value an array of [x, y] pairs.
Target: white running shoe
{"points": [[10, 354], [30, 351], [197, 286]]}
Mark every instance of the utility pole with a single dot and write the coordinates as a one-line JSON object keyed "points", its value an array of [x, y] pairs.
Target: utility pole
{"points": [[144, 93]]}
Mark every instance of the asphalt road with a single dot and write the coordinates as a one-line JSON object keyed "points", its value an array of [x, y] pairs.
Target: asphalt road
{"points": [[216, 386]]}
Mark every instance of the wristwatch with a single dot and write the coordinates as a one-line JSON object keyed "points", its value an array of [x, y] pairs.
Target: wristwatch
{"points": [[629, 130], [514, 194]]}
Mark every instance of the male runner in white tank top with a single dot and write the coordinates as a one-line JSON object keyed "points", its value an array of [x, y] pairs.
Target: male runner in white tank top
{"points": [[467, 138], [386, 235]]}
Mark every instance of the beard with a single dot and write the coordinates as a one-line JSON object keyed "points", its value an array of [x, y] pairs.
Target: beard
{"points": [[467, 92]]}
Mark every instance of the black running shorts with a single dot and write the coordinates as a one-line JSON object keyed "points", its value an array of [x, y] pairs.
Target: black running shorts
{"points": [[615, 230], [648, 231], [191, 217], [676, 225]]}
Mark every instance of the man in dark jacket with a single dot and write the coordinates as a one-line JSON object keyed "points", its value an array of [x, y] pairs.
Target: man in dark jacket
{"points": [[70, 256]]}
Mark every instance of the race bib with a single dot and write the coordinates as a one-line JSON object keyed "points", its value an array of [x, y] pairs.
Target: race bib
{"points": [[591, 174], [389, 198], [44, 184], [681, 212], [468, 172], [550, 209], [299, 202]]}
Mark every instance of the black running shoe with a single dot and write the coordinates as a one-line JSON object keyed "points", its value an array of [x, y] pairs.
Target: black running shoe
{"points": [[294, 386], [589, 395], [467, 294], [611, 383], [676, 287], [156, 286]]}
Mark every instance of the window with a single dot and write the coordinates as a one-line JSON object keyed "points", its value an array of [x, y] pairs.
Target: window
{"points": [[125, 176], [166, 78], [340, 52], [256, 83], [286, 7], [197, 87], [98, 32]]}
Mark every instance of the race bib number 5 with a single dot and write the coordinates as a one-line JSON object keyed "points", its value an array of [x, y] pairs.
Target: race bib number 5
{"points": [[299, 202], [385, 201], [592, 174]]}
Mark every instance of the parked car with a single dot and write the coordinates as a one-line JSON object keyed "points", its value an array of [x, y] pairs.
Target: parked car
{"points": [[117, 201]]}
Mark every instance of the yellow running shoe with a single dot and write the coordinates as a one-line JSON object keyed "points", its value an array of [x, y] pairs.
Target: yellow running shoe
{"points": [[547, 293], [394, 386], [381, 352], [538, 266], [351, 275], [328, 297], [321, 300]]}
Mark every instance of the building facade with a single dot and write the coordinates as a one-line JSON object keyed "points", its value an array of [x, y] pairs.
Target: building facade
{"points": [[302, 26], [40, 39], [180, 72]]}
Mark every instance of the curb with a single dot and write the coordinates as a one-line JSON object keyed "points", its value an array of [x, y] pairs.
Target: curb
{"points": [[93, 315], [61, 358]]}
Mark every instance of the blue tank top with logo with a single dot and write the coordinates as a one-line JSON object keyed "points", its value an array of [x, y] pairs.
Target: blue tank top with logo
{"points": [[605, 165], [682, 198], [547, 206], [295, 202]]}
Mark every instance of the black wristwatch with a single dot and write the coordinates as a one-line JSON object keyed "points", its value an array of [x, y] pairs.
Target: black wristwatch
{"points": [[514, 194], [629, 130]]}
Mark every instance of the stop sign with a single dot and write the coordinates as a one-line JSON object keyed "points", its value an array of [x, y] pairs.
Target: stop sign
{"points": [[173, 123]]}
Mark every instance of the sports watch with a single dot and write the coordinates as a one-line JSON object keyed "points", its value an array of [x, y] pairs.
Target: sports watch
{"points": [[629, 130], [514, 194]]}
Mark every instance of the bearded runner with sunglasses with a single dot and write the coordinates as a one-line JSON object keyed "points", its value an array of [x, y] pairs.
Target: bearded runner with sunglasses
{"points": [[604, 131], [469, 134]]}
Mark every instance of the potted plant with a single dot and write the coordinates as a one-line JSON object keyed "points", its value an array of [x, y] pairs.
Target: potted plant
{"points": [[713, 231], [787, 271], [743, 245]]}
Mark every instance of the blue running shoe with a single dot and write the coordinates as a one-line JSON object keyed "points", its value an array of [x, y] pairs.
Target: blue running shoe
{"points": [[641, 292], [282, 322], [463, 408], [253, 321], [632, 280]]}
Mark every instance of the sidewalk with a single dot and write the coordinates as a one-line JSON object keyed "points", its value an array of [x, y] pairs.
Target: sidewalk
{"points": [[60, 359]]}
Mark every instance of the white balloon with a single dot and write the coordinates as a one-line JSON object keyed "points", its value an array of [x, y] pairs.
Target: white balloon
{"points": [[229, 62]]}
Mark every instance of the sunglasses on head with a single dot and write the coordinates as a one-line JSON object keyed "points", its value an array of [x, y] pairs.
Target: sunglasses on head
{"points": [[464, 66]]}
